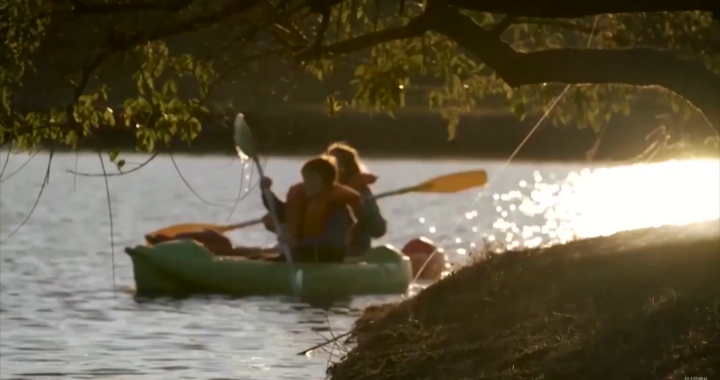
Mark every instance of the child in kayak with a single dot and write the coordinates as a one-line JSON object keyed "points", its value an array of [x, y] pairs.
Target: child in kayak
{"points": [[318, 214], [352, 173], [318, 217]]}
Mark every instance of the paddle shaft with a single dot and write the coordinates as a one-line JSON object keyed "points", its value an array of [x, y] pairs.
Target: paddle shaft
{"points": [[253, 222], [386, 194], [428, 186], [273, 213], [240, 225]]}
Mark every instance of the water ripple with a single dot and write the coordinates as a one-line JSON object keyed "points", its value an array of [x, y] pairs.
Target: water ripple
{"points": [[61, 317]]}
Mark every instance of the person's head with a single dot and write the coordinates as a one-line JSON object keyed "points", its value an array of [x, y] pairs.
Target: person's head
{"points": [[348, 161], [319, 174]]}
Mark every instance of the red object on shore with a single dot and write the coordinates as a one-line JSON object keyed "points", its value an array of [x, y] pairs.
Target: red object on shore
{"points": [[419, 250]]}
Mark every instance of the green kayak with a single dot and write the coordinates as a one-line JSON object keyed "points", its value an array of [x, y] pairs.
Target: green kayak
{"points": [[183, 267]]}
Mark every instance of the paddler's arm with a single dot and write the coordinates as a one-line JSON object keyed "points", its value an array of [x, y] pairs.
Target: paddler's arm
{"points": [[265, 192], [370, 219], [335, 233]]}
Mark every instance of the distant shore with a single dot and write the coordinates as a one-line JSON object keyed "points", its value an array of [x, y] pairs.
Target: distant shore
{"points": [[303, 131]]}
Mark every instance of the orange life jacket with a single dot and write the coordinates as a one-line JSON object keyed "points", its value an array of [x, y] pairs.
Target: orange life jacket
{"points": [[361, 180], [306, 217]]}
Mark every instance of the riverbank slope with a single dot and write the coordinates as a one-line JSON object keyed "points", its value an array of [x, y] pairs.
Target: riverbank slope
{"points": [[640, 304]]}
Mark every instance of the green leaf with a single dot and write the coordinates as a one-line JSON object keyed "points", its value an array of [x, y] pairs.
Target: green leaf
{"points": [[519, 110], [120, 164], [452, 128], [109, 117], [71, 138], [113, 155]]}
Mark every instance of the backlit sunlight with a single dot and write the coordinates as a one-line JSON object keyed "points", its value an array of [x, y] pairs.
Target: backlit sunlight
{"points": [[608, 200]]}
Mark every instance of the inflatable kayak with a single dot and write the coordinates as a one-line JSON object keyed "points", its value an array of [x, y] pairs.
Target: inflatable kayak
{"points": [[183, 267]]}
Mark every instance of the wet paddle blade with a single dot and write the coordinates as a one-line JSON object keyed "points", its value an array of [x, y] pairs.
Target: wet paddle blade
{"points": [[244, 141], [185, 228], [453, 183], [197, 227]]}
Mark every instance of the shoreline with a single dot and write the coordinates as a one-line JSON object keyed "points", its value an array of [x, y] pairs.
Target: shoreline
{"points": [[636, 304], [387, 157]]}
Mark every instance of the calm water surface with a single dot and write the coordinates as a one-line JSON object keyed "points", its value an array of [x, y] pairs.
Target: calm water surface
{"points": [[61, 318]]}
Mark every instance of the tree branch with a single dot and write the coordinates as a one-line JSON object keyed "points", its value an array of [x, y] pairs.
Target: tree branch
{"points": [[637, 66], [576, 9], [189, 24], [502, 26], [415, 28], [83, 9]]}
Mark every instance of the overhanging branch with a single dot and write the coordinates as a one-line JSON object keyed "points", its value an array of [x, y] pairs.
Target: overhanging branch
{"points": [[84, 9], [415, 28], [637, 66], [576, 9]]}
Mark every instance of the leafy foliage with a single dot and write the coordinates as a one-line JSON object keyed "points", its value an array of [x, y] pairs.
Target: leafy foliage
{"points": [[174, 70]]}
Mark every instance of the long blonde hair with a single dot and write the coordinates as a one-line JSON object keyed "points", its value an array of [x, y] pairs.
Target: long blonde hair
{"points": [[347, 158]]}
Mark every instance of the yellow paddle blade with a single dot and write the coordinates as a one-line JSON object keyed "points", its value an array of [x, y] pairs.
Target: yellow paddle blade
{"points": [[185, 228], [453, 183], [197, 227]]}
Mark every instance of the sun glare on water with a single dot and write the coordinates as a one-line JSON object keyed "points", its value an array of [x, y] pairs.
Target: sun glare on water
{"points": [[608, 200]]}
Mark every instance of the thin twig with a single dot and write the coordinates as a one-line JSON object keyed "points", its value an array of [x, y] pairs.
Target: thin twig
{"points": [[7, 159], [249, 190], [240, 188], [325, 343], [332, 349], [112, 227], [20, 168], [46, 180], [77, 154], [177, 168], [113, 174]]}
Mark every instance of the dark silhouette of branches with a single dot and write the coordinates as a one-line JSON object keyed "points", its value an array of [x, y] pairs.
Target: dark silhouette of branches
{"points": [[177, 168], [112, 227], [7, 160], [325, 343], [77, 154], [46, 180], [18, 169], [140, 166]]}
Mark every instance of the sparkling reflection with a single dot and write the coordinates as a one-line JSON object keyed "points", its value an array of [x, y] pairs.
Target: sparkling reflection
{"points": [[599, 202]]}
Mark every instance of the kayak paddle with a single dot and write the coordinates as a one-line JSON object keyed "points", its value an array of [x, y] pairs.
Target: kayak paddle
{"points": [[444, 184], [449, 183], [195, 227], [245, 146]]}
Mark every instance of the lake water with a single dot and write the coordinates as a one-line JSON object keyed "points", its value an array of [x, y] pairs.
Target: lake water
{"points": [[61, 318]]}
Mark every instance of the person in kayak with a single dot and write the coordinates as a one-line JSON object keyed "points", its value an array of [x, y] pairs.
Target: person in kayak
{"points": [[319, 213], [318, 216], [352, 173]]}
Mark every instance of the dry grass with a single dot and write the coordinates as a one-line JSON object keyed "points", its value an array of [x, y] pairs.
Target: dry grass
{"points": [[637, 305]]}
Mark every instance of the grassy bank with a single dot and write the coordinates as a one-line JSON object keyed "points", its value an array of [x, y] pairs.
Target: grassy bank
{"points": [[636, 305]]}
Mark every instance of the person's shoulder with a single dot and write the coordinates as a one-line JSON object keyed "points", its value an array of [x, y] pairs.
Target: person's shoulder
{"points": [[296, 192], [345, 194]]}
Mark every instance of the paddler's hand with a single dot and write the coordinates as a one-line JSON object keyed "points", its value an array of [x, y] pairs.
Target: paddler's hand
{"points": [[265, 183]]}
